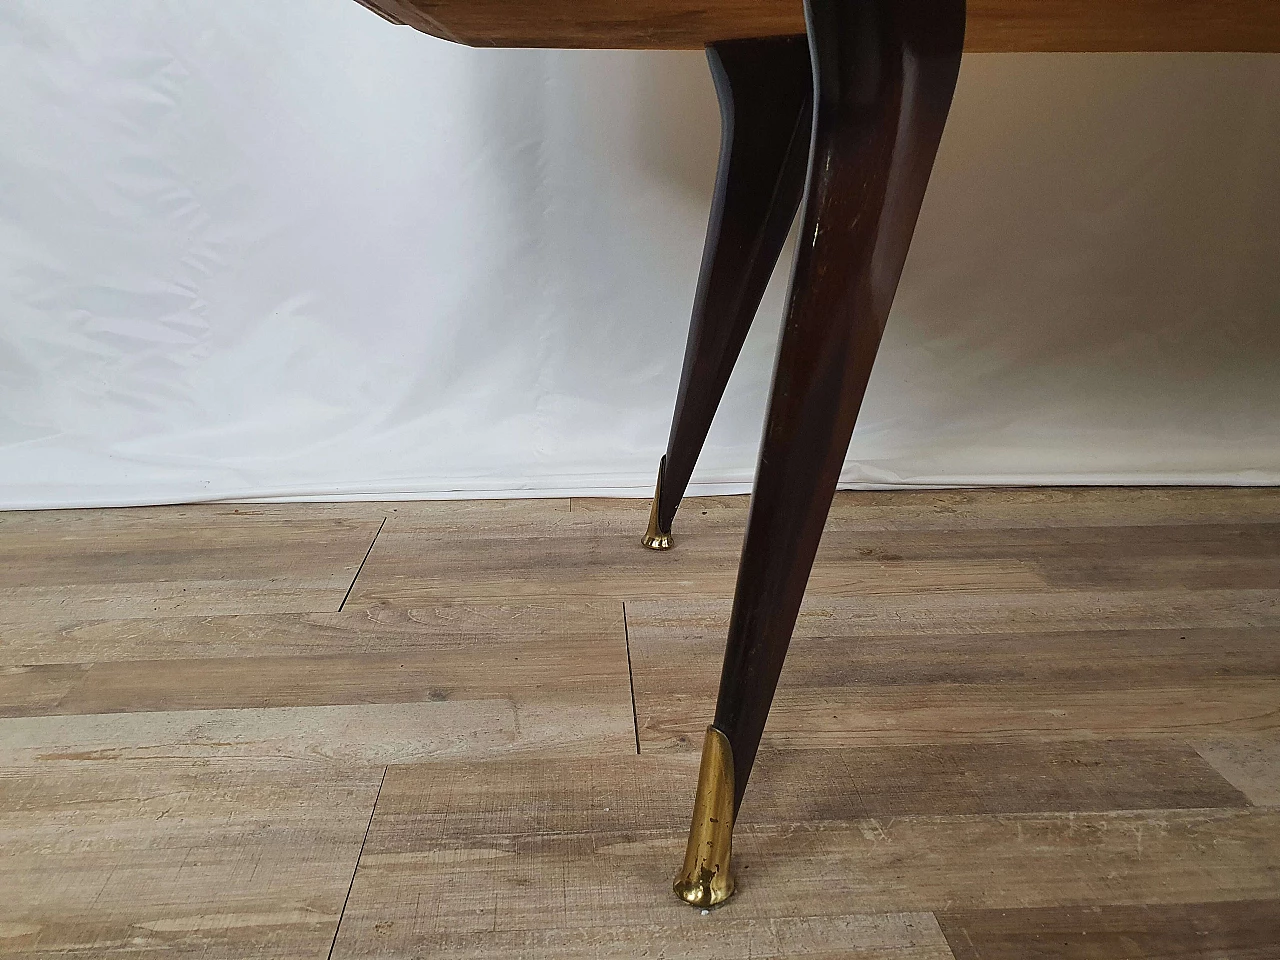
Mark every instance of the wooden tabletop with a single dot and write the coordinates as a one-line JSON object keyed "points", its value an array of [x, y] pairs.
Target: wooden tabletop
{"points": [[995, 26]]}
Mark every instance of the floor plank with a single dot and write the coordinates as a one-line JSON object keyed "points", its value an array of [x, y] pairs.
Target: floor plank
{"points": [[852, 642], [596, 552], [896, 543], [907, 713], [891, 936], [174, 859], [524, 795], [1134, 557], [808, 785], [533, 660], [590, 845], [37, 689], [938, 863], [361, 734], [1030, 507], [1252, 764], [847, 684], [193, 561], [456, 627], [1247, 930], [436, 820]]}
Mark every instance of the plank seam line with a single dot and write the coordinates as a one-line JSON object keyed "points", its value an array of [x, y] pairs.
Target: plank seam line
{"points": [[946, 941], [359, 856], [347, 595], [631, 678]]}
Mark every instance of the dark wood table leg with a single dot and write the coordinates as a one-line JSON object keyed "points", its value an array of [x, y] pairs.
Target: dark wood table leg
{"points": [[884, 72], [765, 89]]}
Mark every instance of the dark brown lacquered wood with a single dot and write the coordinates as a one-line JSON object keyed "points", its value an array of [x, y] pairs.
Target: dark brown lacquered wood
{"points": [[884, 73], [766, 108], [995, 26]]}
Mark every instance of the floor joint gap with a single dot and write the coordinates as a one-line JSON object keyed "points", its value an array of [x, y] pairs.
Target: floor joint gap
{"points": [[631, 678], [359, 856], [346, 596]]}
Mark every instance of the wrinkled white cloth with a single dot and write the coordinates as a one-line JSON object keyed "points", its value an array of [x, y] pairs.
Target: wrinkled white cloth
{"points": [[289, 250]]}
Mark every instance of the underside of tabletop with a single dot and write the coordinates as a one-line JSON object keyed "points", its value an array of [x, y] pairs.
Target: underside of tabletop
{"points": [[995, 26]]}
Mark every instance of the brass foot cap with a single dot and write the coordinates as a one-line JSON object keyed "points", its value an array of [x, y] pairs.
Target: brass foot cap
{"points": [[657, 540], [706, 879], [704, 892]]}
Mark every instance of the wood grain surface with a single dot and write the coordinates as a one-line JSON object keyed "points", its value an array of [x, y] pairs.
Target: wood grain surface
{"points": [[1251, 763], [1015, 724], [1243, 930], [995, 26], [192, 561], [945, 666], [177, 859], [538, 869]]}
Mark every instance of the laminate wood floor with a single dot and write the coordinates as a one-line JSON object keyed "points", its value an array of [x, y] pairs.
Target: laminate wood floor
{"points": [[1014, 724]]}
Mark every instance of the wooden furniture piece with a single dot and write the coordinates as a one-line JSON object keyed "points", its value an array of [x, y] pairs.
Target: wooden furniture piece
{"points": [[855, 93], [994, 26]]}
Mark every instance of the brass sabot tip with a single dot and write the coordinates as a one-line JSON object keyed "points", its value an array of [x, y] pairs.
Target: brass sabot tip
{"points": [[706, 880], [655, 538]]}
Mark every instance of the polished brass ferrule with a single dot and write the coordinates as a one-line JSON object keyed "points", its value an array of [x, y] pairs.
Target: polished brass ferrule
{"points": [[654, 538], [705, 879]]}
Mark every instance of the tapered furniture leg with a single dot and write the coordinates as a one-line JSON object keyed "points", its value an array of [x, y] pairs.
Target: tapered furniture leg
{"points": [[765, 89], [884, 73]]}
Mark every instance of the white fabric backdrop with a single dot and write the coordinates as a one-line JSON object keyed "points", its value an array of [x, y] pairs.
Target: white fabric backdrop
{"points": [[285, 249]]}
